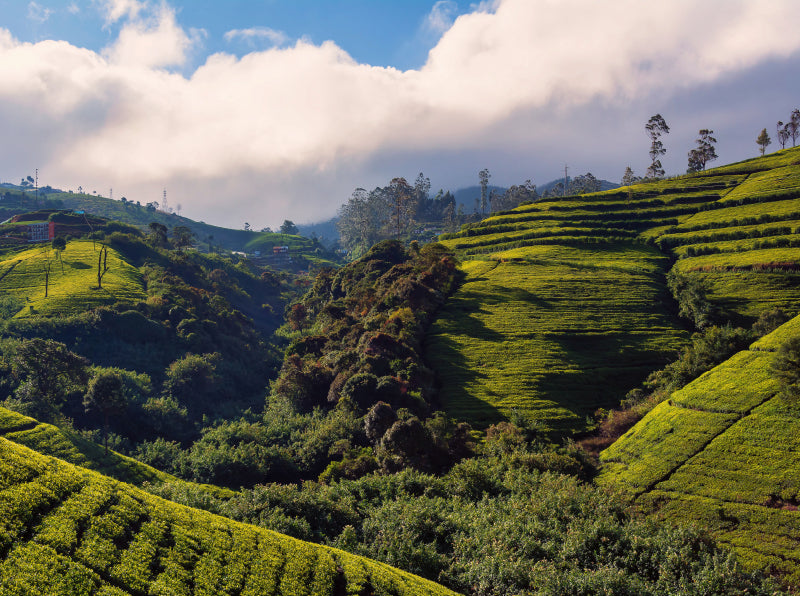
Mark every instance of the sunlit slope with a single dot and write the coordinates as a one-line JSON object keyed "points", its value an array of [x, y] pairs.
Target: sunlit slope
{"points": [[70, 531], [72, 285], [565, 307], [71, 447], [552, 332], [723, 451]]}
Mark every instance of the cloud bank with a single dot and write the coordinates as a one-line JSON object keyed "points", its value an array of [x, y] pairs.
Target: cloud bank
{"points": [[289, 131]]}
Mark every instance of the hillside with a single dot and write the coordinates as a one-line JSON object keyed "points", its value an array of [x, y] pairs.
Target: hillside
{"points": [[566, 305], [71, 531], [208, 237], [723, 452], [69, 279]]}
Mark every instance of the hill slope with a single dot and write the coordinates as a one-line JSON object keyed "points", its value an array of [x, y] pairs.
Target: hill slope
{"points": [[66, 530], [565, 306], [723, 451]]}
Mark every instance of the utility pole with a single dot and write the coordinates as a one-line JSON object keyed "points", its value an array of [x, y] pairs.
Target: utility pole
{"points": [[36, 183]]}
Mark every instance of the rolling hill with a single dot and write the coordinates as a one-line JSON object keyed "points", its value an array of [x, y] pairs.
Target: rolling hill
{"points": [[66, 530], [723, 452], [565, 306]]}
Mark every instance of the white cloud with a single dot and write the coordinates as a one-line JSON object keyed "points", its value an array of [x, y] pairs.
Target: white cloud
{"points": [[271, 36], [287, 132], [38, 13], [155, 43], [115, 10], [440, 18], [73, 8]]}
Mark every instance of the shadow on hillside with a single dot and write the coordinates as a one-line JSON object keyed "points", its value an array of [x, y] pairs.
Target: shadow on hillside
{"points": [[453, 376], [603, 369]]}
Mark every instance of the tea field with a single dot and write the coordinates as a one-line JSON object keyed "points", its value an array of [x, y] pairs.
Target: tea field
{"points": [[67, 530], [565, 306], [723, 452], [72, 282]]}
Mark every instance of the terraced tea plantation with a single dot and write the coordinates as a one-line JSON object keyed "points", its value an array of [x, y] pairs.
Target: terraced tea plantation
{"points": [[723, 451], [72, 282], [70, 531], [552, 332], [565, 306]]}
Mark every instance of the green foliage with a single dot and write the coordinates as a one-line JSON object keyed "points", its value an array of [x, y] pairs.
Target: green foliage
{"points": [[723, 439], [68, 531]]}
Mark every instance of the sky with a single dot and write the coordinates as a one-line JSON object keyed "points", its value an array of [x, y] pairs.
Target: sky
{"points": [[263, 110]]}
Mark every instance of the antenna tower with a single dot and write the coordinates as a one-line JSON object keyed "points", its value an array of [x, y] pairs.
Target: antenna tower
{"points": [[566, 180], [164, 206]]}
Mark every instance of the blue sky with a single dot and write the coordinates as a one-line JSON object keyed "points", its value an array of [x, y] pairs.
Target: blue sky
{"points": [[262, 111], [377, 32]]}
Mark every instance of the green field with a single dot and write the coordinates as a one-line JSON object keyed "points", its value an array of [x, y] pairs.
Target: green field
{"points": [[552, 332], [73, 288], [723, 452], [66, 530], [564, 308]]}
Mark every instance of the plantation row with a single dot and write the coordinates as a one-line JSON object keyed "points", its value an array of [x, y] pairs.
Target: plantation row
{"points": [[70, 531], [723, 451], [550, 331]]}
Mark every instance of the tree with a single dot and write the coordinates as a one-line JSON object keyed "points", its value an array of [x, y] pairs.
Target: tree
{"points": [[763, 141], [59, 244], [704, 152], [158, 234], [583, 184], [105, 395], [783, 134], [786, 367], [360, 220], [400, 199], [656, 127], [793, 126], [182, 236], [288, 227], [483, 177], [47, 372], [102, 265], [628, 178]]}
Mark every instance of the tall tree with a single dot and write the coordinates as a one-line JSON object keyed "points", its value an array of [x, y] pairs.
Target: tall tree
{"points": [[793, 126], [763, 141], [400, 199], [627, 177], [288, 227], [182, 236], [102, 265], [483, 177], [704, 152], [105, 395], [361, 219], [158, 234], [783, 134], [656, 127]]}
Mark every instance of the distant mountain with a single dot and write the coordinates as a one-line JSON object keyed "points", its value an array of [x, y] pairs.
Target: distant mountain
{"points": [[466, 196], [325, 231]]}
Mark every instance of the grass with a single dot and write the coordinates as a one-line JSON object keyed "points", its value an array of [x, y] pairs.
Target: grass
{"points": [[551, 332], [723, 452], [71, 447], [66, 530], [765, 258], [73, 289]]}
